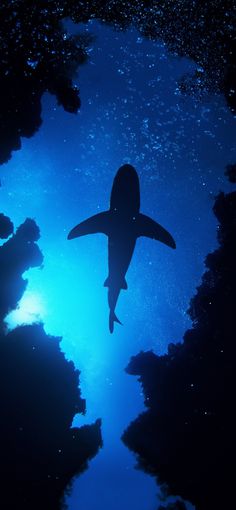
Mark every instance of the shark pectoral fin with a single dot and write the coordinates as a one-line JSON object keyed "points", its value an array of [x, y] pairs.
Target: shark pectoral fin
{"points": [[149, 228], [100, 223]]}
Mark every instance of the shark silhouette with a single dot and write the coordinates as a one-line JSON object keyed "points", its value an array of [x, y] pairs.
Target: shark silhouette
{"points": [[123, 224]]}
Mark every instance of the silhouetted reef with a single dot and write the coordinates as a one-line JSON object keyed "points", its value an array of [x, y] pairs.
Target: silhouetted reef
{"points": [[39, 396], [186, 438], [38, 55], [6, 226], [177, 505], [230, 172], [17, 255]]}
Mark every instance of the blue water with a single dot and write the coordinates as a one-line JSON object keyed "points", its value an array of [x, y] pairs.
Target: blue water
{"points": [[131, 112]]}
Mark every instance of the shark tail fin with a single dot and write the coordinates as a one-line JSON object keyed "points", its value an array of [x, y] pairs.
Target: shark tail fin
{"points": [[123, 284], [113, 318]]}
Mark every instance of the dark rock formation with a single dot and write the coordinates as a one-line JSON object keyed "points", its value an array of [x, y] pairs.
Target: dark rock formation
{"points": [[39, 451], [37, 55], [17, 255], [187, 436], [178, 505], [6, 226], [231, 173]]}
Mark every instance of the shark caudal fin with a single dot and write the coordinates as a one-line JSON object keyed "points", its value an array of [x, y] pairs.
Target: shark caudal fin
{"points": [[112, 319], [124, 284], [149, 228]]}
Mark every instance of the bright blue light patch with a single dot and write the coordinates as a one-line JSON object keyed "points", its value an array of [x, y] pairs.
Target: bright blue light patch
{"points": [[30, 310]]}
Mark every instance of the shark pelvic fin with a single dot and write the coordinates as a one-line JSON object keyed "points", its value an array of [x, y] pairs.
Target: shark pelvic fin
{"points": [[124, 285], [107, 282]]}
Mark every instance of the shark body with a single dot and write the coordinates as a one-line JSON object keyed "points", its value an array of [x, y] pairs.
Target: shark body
{"points": [[123, 224]]}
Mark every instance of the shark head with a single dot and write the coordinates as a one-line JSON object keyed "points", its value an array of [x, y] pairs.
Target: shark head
{"points": [[125, 194]]}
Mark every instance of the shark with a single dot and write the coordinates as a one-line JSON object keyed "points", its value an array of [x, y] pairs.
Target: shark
{"points": [[123, 224]]}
